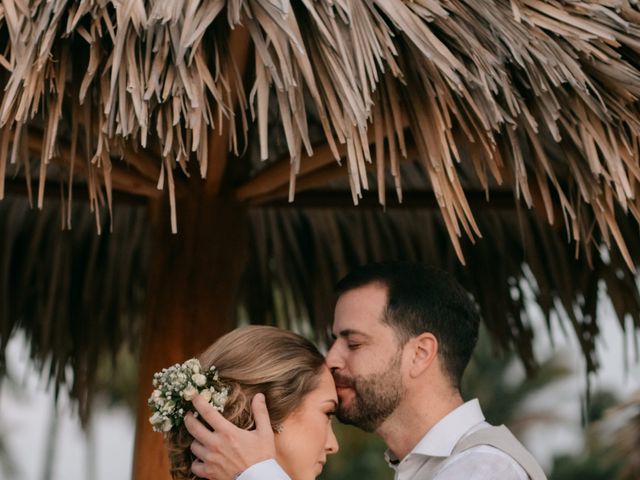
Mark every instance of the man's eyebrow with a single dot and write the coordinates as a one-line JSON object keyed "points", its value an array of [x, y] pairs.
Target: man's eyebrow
{"points": [[348, 332]]}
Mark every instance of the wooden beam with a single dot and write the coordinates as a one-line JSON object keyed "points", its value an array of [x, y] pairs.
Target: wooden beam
{"points": [[318, 179], [499, 200], [147, 164], [123, 179], [316, 176], [276, 175], [274, 179], [18, 188]]}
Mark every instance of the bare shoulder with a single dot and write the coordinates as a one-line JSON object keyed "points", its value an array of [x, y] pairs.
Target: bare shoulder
{"points": [[482, 463]]}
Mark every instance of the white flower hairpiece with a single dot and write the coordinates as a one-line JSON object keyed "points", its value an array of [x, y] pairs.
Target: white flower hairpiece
{"points": [[175, 387]]}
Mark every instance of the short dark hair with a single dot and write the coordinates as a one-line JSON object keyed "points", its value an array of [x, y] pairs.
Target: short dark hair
{"points": [[421, 299]]}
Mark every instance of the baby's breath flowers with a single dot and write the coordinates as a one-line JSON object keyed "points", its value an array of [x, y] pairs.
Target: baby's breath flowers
{"points": [[175, 387]]}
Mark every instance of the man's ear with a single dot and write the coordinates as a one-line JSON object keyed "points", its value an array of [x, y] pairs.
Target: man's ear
{"points": [[424, 350]]}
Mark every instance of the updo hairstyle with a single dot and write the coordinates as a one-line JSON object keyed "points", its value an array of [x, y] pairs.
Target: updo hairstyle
{"points": [[282, 365]]}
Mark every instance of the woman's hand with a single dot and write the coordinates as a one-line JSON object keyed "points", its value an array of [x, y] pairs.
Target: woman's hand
{"points": [[225, 452]]}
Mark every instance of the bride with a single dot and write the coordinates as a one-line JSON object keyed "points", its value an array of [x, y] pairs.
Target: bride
{"points": [[288, 369]]}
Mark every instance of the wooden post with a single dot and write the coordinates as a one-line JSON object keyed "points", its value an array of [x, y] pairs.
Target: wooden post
{"points": [[194, 278]]}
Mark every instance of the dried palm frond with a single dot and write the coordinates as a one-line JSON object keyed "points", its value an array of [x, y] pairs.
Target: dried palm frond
{"points": [[538, 95]]}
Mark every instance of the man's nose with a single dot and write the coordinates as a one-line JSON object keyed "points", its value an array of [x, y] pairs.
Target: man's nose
{"points": [[333, 358]]}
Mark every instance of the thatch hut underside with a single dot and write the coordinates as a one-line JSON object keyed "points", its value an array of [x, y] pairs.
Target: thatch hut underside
{"points": [[172, 167]]}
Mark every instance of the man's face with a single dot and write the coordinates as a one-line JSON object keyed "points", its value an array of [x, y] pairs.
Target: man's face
{"points": [[365, 359]]}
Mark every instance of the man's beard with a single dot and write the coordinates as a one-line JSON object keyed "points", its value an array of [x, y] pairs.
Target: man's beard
{"points": [[376, 396]]}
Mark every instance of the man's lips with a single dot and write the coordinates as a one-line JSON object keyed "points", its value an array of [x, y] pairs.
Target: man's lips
{"points": [[344, 392], [342, 382], [342, 389]]}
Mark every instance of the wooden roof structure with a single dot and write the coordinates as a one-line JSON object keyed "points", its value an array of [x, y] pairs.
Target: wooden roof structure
{"points": [[195, 162]]}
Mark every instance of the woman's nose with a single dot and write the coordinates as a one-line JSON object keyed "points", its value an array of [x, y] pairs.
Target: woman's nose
{"points": [[332, 442]]}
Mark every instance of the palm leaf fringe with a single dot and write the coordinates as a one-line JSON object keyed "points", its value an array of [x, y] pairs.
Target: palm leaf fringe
{"points": [[525, 268], [79, 296]]}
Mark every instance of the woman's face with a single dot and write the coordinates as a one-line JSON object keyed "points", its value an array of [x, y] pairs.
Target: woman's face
{"points": [[307, 435]]}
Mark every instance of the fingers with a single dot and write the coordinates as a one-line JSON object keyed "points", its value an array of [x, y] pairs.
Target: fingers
{"points": [[210, 414], [200, 451], [261, 414], [199, 469], [228, 449], [207, 462], [196, 428]]}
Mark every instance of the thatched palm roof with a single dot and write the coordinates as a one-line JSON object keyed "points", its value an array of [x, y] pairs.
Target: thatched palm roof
{"points": [[529, 103], [538, 95]]}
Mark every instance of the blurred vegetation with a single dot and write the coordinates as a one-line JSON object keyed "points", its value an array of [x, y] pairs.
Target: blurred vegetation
{"points": [[361, 455], [117, 380], [584, 466], [498, 381], [116, 385], [611, 449], [592, 462], [623, 425], [8, 466]]}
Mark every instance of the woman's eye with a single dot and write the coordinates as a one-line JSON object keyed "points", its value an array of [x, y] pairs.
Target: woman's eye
{"points": [[353, 346], [331, 413]]}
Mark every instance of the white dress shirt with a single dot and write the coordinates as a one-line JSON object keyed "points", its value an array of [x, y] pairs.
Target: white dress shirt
{"points": [[477, 463]]}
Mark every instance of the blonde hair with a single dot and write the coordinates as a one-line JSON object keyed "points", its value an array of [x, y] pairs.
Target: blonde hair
{"points": [[256, 359]]}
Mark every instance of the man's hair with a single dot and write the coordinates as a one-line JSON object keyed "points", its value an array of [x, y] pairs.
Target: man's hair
{"points": [[423, 299]]}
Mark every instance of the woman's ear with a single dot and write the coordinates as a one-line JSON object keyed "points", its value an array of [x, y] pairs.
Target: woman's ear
{"points": [[424, 352]]}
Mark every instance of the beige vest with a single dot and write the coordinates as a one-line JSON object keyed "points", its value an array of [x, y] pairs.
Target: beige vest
{"points": [[497, 437]]}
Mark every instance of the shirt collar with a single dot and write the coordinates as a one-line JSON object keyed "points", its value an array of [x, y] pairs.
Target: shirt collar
{"points": [[441, 439]]}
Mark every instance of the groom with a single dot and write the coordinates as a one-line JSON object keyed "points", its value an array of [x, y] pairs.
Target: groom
{"points": [[404, 334]]}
